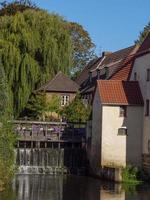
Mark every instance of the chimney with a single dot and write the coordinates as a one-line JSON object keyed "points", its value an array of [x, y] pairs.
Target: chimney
{"points": [[106, 53]]}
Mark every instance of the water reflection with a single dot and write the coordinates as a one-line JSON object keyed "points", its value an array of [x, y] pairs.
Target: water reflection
{"points": [[46, 187]]}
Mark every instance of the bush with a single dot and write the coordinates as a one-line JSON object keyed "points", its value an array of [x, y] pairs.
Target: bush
{"points": [[130, 174], [76, 111], [7, 156]]}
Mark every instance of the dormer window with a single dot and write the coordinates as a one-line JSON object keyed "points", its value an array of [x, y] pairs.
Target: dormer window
{"points": [[90, 77], [106, 72], [98, 74]]}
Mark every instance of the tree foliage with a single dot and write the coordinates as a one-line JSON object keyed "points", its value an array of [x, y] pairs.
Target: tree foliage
{"points": [[7, 157], [83, 47], [143, 34], [54, 104], [36, 106], [34, 46], [39, 107], [16, 6], [3, 93], [76, 111], [7, 138]]}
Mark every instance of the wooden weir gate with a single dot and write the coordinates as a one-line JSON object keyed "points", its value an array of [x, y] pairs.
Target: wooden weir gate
{"points": [[50, 147]]}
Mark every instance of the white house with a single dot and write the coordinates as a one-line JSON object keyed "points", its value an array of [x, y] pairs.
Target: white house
{"points": [[116, 125], [120, 133], [141, 73]]}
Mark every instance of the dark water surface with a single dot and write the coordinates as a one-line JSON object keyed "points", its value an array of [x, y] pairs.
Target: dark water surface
{"points": [[46, 187]]}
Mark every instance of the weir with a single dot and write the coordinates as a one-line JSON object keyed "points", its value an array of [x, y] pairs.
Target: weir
{"points": [[50, 147]]}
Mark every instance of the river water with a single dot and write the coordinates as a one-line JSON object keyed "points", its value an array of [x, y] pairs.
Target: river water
{"points": [[46, 187]]}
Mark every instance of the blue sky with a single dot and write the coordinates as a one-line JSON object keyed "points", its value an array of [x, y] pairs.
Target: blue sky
{"points": [[112, 24]]}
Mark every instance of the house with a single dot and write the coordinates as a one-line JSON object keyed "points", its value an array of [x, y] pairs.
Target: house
{"points": [[141, 73], [116, 139], [103, 68], [139, 70], [120, 133], [61, 86]]}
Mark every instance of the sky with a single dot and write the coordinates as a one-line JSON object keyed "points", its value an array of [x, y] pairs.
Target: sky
{"points": [[112, 24]]}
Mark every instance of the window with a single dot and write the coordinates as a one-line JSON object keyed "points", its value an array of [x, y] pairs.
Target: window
{"points": [[148, 74], [147, 108], [135, 76], [122, 131], [123, 111], [64, 100]]}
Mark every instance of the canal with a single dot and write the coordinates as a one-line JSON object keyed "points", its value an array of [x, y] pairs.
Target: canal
{"points": [[47, 187]]}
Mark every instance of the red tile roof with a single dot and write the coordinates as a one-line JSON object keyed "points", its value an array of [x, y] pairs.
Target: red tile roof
{"points": [[113, 61], [120, 92], [124, 72]]}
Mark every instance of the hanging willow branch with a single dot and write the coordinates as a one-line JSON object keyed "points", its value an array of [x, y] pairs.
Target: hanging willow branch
{"points": [[34, 46]]}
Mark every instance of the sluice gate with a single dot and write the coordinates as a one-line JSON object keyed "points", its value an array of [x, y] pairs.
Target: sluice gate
{"points": [[50, 147]]}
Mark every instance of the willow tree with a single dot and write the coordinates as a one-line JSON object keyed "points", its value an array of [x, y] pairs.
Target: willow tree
{"points": [[7, 138], [34, 46]]}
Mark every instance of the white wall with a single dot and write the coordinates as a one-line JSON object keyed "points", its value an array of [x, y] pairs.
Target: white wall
{"points": [[140, 67], [120, 150]]}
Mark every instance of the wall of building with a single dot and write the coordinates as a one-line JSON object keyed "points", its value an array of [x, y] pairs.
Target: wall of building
{"points": [[50, 94], [140, 67], [94, 153], [119, 150]]}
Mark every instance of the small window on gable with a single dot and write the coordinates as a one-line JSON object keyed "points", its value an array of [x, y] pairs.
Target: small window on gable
{"points": [[148, 74], [147, 107], [135, 76], [122, 131], [123, 111]]}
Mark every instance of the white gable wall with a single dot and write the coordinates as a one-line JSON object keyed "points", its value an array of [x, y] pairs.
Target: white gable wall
{"points": [[120, 150], [140, 67]]}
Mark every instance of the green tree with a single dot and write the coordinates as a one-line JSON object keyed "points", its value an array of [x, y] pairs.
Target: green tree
{"points": [[7, 138], [76, 111], [7, 157], [143, 34], [54, 104], [36, 106], [83, 47], [34, 46], [16, 6]]}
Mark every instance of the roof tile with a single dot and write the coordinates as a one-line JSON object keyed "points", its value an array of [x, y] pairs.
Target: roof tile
{"points": [[60, 83], [120, 92]]}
